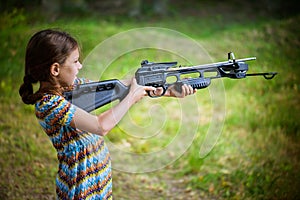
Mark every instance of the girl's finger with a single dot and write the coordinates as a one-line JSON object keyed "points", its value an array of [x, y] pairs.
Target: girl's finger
{"points": [[191, 90], [149, 88]]}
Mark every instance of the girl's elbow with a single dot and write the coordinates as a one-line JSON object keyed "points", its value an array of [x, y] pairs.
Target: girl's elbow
{"points": [[103, 129], [99, 131], [105, 125]]}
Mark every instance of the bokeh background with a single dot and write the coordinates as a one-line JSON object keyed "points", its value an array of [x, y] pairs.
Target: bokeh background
{"points": [[255, 157]]}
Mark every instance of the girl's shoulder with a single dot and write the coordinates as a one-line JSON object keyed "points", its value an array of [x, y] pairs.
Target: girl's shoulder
{"points": [[49, 100], [56, 105], [53, 99], [52, 106]]}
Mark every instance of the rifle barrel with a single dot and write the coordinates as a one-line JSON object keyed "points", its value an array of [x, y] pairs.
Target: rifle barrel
{"points": [[212, 65]]}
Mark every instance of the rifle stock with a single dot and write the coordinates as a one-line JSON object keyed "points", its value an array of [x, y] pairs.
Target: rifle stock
{"points": [[91, 96]]}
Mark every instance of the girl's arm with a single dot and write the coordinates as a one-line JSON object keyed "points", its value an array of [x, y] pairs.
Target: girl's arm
{"points": [[107, 120]]}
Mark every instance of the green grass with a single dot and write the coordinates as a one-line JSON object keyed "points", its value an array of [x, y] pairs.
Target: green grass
{"points": [[256, 156]]}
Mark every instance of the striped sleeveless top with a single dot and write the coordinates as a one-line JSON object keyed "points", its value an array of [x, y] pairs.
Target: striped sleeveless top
{"points": [[84, 170]]}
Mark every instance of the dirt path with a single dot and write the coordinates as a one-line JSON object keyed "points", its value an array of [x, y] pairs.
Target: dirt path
{"points": [[156, 185]]}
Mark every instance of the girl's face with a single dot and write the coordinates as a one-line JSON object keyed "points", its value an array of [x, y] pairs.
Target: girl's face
{"points": [[70, 69]]}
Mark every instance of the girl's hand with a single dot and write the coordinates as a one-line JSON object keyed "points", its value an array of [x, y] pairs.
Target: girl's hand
{"points": [[172, 91], [137, 92], [185, 90]]}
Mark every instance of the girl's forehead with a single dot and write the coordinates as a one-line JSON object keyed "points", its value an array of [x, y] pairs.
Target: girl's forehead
{"points": [[74, 53]]}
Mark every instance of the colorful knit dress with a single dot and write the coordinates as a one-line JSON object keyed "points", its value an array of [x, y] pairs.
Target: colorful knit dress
{"points": [[84, 161]]}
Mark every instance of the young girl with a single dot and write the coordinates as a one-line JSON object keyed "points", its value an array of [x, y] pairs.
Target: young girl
{"points": [[52, 60]]}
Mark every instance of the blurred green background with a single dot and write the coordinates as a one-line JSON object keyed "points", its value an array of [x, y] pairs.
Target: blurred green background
{"points": [[257, 154]]}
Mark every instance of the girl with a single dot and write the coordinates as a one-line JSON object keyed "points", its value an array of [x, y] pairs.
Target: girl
{"points": [[52, 60]]}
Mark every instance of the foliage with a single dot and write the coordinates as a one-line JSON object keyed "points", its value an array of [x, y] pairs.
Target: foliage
{"points": [[257, 155]]}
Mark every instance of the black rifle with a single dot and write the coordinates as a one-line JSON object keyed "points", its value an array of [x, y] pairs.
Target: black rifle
{"points": [[91, 96]]}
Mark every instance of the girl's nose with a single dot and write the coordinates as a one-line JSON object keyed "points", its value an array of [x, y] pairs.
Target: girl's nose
{"points": [[79, 65]]}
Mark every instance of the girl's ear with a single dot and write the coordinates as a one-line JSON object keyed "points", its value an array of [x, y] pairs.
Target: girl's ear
{"points": [[54, 69]]}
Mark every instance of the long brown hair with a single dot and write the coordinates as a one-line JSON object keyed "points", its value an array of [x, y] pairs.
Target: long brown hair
{"points": [[43, 49]]}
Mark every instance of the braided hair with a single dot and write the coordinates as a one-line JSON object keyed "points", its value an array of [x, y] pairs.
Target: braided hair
{"points": [[43, 49]]}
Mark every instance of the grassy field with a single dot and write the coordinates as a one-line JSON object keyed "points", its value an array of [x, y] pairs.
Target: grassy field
{"points": [[257, 153]]}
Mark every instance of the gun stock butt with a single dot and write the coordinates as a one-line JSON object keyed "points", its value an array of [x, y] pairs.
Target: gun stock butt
{"points": [[91, 96]]}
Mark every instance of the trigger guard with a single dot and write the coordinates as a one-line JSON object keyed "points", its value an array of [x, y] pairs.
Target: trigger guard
{"points": [[162, 94]]}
